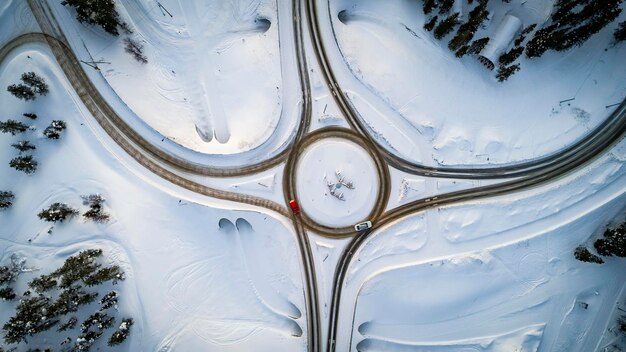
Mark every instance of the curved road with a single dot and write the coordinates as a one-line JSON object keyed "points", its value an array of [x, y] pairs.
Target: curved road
{"points": [[48, 24], [530, 174], [356, 122]]}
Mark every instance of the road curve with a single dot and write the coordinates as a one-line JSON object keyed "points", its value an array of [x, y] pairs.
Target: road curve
{"points": [[573, 162], [497, 172], [48, 24]]}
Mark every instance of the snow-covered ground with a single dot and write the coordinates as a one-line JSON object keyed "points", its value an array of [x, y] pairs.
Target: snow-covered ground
{"points": [[430, 107], [202, 274], [221, 77], [336, 182], [494, 275]]}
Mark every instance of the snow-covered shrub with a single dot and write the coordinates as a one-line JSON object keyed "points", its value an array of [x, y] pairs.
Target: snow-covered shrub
{"points": [[57, 212], [26, 164]]}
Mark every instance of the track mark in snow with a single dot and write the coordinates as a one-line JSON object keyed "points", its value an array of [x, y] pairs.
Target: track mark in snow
{"points": [[526, 339]]}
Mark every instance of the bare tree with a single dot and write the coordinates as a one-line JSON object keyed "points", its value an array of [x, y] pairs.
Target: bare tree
{"points": [[135, 49]]}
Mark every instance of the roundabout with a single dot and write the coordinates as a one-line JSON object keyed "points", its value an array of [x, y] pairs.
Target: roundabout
{"points": [[333, 180]]}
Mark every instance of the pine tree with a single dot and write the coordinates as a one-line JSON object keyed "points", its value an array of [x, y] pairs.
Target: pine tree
{"points": [[510, 56], [445, 6], [111, 273], [446, 26], [100, 12], [620, 32], [466, 31], [24, 146], [37, 83], [431, 23], [7, 294], [31, 317], [43, 283], [78, 267], [613, 242], [24, 163], [57, 212], [71, 299], [53, 131], [13, 127], [121, 333], [504, 72], [477, 46], [22, 91], [109, 300], [584, 255], [429, 6], [6, 199]]}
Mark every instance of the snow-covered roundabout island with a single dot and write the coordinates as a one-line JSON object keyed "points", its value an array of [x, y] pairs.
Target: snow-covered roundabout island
{"points": [[336, 181]]}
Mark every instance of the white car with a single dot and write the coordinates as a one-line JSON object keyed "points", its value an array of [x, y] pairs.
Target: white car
{"points": [[363, 226]]}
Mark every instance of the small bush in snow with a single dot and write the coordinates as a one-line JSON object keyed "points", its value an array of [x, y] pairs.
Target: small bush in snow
{"points": [[24, 146], [584, 255], [7, 294], [613, 242], [121, 333], [53, 131], [6, 199], [95, 212], [135, 49], [26, 164], [13, 127], [57, 212]]}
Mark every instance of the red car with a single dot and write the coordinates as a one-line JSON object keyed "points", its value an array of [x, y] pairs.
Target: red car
{"points": [[294, 207]]}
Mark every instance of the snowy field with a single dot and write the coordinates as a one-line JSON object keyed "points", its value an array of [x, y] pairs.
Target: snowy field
{"points": [[198, 272], [432, 108], [216, 82], [495, 275], [221, 88]]}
